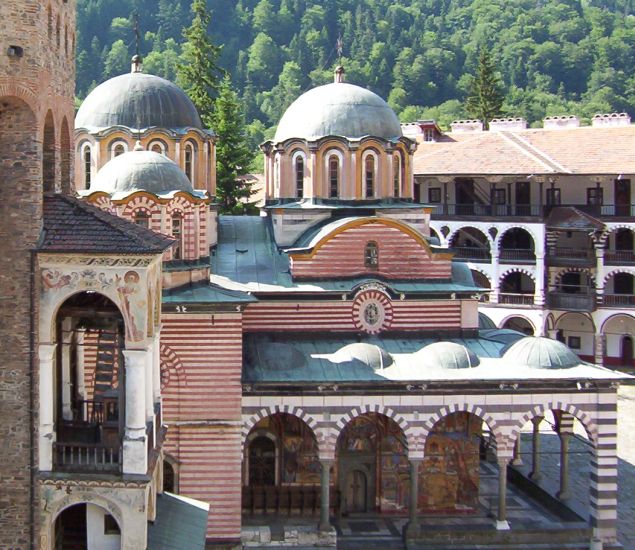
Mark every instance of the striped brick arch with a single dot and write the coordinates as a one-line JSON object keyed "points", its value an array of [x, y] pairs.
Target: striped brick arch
{"points": [[171, 367], [250, 422], [465, 407], [378, 409], [540, 410]]}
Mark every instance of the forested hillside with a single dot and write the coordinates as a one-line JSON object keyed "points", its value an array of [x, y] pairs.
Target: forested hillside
{"points": [[553, 56]]}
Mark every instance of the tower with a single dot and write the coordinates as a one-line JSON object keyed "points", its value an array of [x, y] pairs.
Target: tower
{"points": [[37, 79]]}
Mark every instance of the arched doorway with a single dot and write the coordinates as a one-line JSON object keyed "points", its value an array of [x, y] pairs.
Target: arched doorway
{"points": [[618, 332], [471, 244], [281, 467], [577, 330], [516, 288], [89, 385], [86, 526], [372, 466], [517, 246], [627, 351], [519, 324]]}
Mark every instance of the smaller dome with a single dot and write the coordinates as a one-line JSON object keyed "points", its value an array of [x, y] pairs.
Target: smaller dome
{"points": [[541, 353], [141, 171], [448, 355], [369, 354]]}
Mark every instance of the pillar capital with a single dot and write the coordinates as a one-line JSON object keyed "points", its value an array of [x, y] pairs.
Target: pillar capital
{"points": [[46, 352]]}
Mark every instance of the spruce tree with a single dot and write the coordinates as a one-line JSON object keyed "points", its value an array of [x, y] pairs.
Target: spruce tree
{"points": [[485, 101], [233, 155], [198, 72]]}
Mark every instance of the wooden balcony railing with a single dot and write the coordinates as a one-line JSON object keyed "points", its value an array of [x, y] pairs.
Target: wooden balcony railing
{"points": [[619, 257], [516, 298], [470, 253], [517, 255], [527, 210], [619, 300], [571, 301], [86, 457]]}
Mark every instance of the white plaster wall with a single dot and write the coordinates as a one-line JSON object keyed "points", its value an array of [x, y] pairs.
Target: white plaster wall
{"points": [[96, 538]]}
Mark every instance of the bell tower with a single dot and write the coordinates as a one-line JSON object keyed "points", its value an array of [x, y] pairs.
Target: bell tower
{"points": [[37, 81]]}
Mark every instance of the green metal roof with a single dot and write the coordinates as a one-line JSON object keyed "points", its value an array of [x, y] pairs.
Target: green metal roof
{"points": [[204, 293], [181, 523]]}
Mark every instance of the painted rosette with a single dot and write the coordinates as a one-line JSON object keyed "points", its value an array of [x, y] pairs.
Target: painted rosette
{"points": [[372, 312]]}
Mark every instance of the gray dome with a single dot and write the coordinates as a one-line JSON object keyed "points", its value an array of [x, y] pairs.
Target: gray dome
{"points": [[541, 353], [448, 355], [141, 171], [338, 109], [137, 100], [369, 354]]}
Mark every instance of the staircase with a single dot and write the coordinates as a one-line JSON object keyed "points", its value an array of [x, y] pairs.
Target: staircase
{"points": [[106, 367]]}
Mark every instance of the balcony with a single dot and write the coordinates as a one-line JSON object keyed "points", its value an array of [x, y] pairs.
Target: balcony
{"points": [[515, 299], [90, 441], [619, 300], [472, 254], [619, 257], [571, 301], [517, 256], [563, 257]]}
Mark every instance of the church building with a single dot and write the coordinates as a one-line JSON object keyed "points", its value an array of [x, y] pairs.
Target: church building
{"points": [[176, 378]]}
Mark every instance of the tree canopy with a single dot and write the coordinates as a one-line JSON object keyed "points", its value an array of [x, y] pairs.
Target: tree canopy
{"points": [[553, 56]]}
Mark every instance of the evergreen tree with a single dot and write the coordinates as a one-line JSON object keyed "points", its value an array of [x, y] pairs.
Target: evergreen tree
{"points": [[233, 155], [485, 101], [197, 71]]}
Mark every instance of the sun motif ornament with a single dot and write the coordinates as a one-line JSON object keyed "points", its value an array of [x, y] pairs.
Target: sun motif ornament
{"points": [[372, 311]]}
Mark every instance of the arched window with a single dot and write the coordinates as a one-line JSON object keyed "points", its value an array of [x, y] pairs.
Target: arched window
{"points": [[177, 233], [396, 170], [262, 462], [50, 21], [189, 161], [86, 158], [298, 161], [334, 177], [118, 148], [141, 217], [158, 147], [169, 478], [369, 176], [371, 255], [58, 32]]}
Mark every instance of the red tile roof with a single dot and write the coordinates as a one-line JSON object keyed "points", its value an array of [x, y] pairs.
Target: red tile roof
{"points": [[584, 150], [71, 225]]}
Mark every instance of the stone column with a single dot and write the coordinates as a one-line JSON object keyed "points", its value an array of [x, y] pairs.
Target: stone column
{"points": [[501, 520], [135, 456], [599, 275], [412, 529], [493, 295], [47, 426], [563, 493], [81, 385], [599, 349], [539, 293], [325, 524], [156, 369], [67, 327], [517, 460], [535, 474]]}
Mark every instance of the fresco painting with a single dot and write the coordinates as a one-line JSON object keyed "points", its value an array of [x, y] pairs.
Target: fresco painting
{"points": [[449, 477]]}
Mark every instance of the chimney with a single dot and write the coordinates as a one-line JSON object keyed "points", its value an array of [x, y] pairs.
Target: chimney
{"points": [[466, 126], [507, 124], [559, 122], [611, 119]]}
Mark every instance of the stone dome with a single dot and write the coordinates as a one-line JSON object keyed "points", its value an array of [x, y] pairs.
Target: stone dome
{"points": [[141, 171], [137, 100], [338, 109], [448, 355], [368, 354], [541, 353]]}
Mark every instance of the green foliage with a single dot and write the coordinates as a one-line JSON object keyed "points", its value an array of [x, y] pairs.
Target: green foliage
{"points": [[485, 101], [233, 156], [197, 71], [553, 56]]}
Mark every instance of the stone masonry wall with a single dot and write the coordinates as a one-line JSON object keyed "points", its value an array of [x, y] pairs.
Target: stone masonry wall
{"points": [[37, 76]]}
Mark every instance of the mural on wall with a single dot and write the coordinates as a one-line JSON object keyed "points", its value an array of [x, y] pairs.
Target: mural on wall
{"points": [[449, 477], [382, 439], [299, 463], [131, 308]]}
